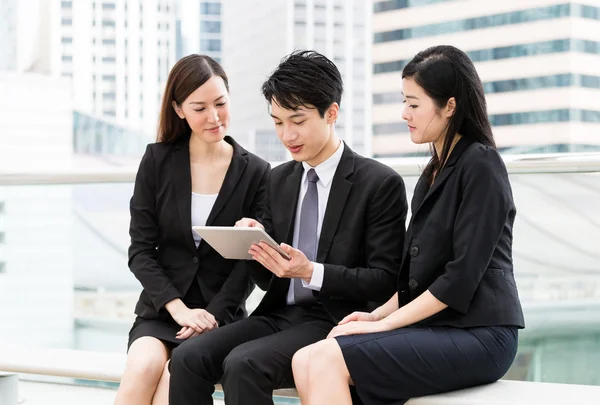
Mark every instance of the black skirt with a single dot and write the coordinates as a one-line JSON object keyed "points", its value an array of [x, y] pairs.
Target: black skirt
{"points": [[164, 328], [392, 367]]}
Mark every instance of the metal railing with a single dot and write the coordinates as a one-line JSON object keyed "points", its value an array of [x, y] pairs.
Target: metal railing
{"points": [[551, 163]]}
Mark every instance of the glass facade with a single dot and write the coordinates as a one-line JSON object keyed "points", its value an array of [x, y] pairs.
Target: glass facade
{"points": [[388, 5], [519, 118], [508, 52], [495, 20], [210, 8], [211, 27], [211, 45]]}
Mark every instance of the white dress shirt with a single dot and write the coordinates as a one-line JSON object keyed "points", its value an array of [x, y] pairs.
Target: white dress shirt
{"points": [[202, 204], [325, 171]]}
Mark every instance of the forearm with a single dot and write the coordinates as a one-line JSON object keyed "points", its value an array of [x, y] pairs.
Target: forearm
{"points": [[424, 306], [175, 306], [386, 309]]}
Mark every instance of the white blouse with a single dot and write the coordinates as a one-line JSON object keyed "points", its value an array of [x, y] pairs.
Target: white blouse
{"points": [[202, 204]]}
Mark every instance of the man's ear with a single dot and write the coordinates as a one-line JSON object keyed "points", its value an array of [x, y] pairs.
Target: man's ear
{"points": [[450, 107], [332, 113], [177, 109]]}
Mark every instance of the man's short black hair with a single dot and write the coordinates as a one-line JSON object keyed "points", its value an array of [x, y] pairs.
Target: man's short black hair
{"points": [[307, 79]]}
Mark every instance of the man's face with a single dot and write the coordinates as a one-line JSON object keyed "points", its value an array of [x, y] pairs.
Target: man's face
{"points": [[302, 131]]}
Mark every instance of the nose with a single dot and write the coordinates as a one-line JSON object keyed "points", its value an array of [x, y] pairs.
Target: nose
{"points": [[214, 115], [405, 113], [287, 133]]}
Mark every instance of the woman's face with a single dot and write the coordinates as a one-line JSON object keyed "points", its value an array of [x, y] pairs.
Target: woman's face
{"points": [[206, 110], [426, 122]]}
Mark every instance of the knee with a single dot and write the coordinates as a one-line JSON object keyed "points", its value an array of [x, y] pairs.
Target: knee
{"points": [[146, 363], [323, 354], [300, 361], [190, 356], [237, 361]]}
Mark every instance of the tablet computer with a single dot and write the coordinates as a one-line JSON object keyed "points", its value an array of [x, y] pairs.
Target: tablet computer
{"points": [[234, 242]]}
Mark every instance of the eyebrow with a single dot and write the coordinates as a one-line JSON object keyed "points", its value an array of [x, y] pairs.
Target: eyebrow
{"points": [[413, 97], [298, 114], [202, 102]]}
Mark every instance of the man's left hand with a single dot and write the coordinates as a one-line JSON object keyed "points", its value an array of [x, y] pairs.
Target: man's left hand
{"points": [[297, 267]]}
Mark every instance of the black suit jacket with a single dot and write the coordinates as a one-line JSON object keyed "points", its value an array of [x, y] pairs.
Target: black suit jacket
{"points": [[361, 238], [163, 255], [459, 241]]}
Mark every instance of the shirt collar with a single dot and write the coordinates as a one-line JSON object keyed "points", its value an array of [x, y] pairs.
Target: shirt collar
{"points": [[326, 170]]}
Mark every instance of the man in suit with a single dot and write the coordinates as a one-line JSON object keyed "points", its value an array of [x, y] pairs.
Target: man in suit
{"points": [[342, 220]]}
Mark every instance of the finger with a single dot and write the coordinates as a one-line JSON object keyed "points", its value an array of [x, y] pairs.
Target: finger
{"points": [[265, 259], [210, 324], [211, 319], [194, 335], [186, 334], [182, 330], [273, 253], [352, 317], [196, 325]]}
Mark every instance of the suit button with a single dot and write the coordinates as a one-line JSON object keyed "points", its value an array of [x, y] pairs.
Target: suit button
{"points": [[414, 251], [413, 284], [195, 260]]}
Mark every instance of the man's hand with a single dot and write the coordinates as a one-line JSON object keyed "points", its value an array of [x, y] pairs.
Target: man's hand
{"points": [[297, 267], [249, 223]]}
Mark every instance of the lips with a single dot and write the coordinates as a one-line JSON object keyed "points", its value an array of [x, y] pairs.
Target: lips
{"points": [[295, 148], [214, 129], [411, 128]]}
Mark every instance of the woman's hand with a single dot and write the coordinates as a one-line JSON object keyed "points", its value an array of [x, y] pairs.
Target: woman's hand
{"points": [[359, 316], [358, 328], [196, 321]]}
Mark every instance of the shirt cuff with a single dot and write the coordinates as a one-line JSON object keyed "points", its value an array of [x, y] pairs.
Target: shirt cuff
{"points": [[316, 281]]}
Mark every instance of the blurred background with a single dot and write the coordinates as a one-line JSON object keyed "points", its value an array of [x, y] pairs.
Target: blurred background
{"points": [[80, 88]]}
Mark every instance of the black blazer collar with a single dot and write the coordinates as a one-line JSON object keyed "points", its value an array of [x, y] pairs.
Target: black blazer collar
{"points": [[182, 180], [422, 190]]}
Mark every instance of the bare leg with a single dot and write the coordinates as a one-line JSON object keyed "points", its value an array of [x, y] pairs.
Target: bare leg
{"points": [[328, 377], [161, 396], [145, 363], [300, 363]]}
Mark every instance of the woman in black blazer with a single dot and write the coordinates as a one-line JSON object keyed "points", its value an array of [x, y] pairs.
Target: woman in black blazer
{"points": [[453, 322], [194, 175]]}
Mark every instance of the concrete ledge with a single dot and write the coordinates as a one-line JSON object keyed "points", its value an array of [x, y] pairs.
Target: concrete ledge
{"points": [[101, 366]]}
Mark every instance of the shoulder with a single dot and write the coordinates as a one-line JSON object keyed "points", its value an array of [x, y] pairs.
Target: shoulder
{"points": [[371, 170], [481, 158], [283, 170]]}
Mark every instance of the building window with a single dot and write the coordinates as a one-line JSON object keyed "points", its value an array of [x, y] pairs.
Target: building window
{"points": [[2, 267], [211, 27], [489, 21], [67, 58], [2, 238], [210, 8], [66, 4], [384, 6], [108, 23], [2, 207], [210, 45], [508, 52], [109, 42], [109, 96], [109, 113], [108, 6], [390, 128], [387, 98], [66, 40], [67, 21], [108, 59], [110, 78]]}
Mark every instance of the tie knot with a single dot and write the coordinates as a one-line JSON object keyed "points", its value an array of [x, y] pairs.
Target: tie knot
{"points": [[312, 176]]}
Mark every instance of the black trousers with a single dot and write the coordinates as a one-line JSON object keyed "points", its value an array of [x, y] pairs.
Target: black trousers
{"points": [[251, 357]]}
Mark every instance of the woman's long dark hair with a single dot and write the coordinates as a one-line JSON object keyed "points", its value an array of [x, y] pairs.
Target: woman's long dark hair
{"points": [[444, 72], [185, 77]]}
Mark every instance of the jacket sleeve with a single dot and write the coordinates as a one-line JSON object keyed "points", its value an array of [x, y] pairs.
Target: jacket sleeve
{"points": [[144, 233], [238, 285], [384, 241], [260, 275], [481, 217]]}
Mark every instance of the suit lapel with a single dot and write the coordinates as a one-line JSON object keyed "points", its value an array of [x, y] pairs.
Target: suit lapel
{"points": [[288, 200], [232, 177], [182, 180], [459, 148], [338, 195]]}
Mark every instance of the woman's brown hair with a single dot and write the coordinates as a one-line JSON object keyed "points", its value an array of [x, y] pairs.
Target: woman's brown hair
{"points": [[185, 77]]}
